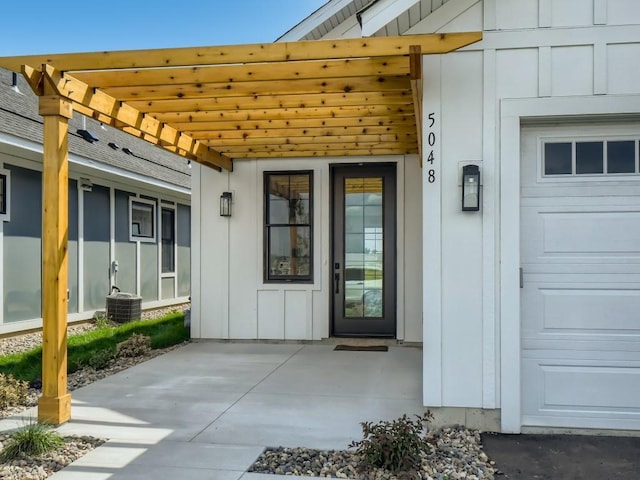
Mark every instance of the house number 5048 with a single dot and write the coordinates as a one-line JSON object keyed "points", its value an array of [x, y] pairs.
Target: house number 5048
{"points": [[431, 141]]}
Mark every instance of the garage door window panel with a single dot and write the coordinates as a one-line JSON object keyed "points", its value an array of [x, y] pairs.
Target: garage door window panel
{"points": [[589, 158], [621, 157], [557, 158]]}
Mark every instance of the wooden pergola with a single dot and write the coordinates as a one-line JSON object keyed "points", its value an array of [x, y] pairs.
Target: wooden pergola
{"points": [[214, 105]]}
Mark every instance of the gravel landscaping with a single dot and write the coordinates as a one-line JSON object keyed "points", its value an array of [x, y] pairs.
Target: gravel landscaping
{"points": [[456, 454], [29, 468]]}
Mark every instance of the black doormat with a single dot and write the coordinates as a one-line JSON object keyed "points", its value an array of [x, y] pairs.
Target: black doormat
{"points": [[363, 348]]}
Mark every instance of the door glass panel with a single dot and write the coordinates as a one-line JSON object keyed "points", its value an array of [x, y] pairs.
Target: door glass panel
{"points": [[363, 247], [589, 157]]}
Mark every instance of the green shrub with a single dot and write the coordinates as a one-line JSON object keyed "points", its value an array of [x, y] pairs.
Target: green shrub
{"points": [[33, 440], [12, 391], [101, 359], [82, 348], [393, 445], [135, 346]]}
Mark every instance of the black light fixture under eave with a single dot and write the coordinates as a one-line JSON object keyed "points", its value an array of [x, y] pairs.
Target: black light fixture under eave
{"points": [[225, 204], [470, 188]]}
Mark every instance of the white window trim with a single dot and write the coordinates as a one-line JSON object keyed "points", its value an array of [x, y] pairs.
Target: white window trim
{"points": [[6, 217], [582, 177], [135, 238]]}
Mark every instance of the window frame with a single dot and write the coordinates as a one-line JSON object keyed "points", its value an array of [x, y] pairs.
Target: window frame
{"points": [[574, 176], [143, 238], [5, 204], [269, 278], [172, 208]]}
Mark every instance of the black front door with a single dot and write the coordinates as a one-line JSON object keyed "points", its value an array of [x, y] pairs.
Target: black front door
{"points": [[363, 250]]}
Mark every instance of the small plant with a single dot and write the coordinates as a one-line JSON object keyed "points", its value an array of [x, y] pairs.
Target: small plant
{"points": [[12, 391], [136, 345], [101, 359], [33, 440], [393, 445], [101, 321]]}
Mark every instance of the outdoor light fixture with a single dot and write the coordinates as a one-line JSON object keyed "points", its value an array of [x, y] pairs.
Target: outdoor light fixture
{"points": [[225, 204], [470, 188], [113, 145], [85, 184]]}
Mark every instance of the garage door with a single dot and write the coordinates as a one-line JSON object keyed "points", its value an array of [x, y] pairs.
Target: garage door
{"points": [[580, 258]]}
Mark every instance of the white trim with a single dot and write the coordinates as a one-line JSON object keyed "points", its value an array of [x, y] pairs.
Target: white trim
{"points": [[80, 248], [544, 72], [174, 273], [600, 70], [512, 112], [196, 254], [112, 236], [138, 276], [490, 19], [96, 166], [400, 267], [159, 245], [314, 20], [441, 16], [381, 13], [432, 237], [490, 199], [544, 13], [551, 37], [600, 12], [154, 214]]}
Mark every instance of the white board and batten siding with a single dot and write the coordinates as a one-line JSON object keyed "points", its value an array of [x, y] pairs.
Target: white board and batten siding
{"points": [[229, 296], [540, 60]]}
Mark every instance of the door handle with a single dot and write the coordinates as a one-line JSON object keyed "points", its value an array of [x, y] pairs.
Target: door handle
{"points": [[337, 279]]}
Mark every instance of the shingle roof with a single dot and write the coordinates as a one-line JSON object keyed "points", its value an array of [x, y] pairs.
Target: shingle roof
{"points": [[19, 117]]}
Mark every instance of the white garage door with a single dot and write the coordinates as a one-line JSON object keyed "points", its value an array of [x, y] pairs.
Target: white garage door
{"points": [[580, 257]]}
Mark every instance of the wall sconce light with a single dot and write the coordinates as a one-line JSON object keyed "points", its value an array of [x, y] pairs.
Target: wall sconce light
{"points": [[470, 188], [225, 204], [85, 184]]}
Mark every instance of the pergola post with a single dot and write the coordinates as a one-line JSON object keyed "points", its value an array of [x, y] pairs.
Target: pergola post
{"points": [[54, 406]]}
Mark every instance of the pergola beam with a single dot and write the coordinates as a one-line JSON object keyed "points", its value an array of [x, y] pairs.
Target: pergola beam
{"points": [[101, 103], [254, 72], [436, 43], [415, 63]]}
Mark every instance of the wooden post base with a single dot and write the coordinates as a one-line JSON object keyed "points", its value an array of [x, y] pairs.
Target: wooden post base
{"points": [[54, 410]]}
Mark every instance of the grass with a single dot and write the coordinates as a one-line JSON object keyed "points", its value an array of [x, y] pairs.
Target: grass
{"points": [[82, 349], [33, 440]]}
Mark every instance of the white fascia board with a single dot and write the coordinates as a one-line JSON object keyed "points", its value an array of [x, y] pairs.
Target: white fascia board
{"points": [[441, 16], [382, 13], [94, 165], [314, 20]]}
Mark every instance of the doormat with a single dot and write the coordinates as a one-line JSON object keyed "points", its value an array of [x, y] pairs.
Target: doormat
{"points": [[363, 348]]}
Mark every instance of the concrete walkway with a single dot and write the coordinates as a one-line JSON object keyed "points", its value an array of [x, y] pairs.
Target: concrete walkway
{"points": [[206, 411]]}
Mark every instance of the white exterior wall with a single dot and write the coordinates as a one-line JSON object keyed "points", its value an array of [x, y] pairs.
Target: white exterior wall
{"points": [[538, 59], [230, 299]]}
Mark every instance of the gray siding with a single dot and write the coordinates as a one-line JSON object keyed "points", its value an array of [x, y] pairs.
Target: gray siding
{"points": [[183, 237], [22, 247], [148, 271], [96, 247], [73, 246], [125, 250]]}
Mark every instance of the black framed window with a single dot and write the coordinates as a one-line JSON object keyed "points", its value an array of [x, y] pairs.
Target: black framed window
{"points": [[3, 194], [288, 221], [168, 238], [142, 214]]}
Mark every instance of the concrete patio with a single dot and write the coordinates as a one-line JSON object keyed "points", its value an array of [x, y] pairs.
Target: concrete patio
{"points": [[207, 410]]}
